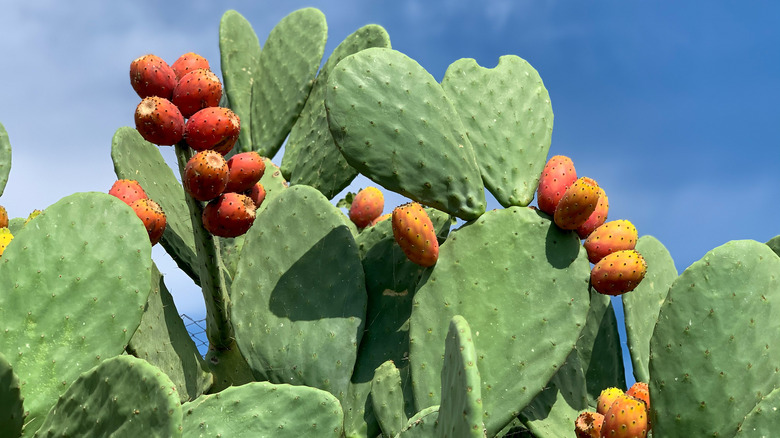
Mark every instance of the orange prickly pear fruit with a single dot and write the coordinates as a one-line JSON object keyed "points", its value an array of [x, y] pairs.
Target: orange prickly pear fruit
{"points": [[558, 174], [159, 121], [229, 215], [367, 205], [128, 190], [380, 219], [152, 216], [150, 76], [618, 273], [414, 233], [196, 90], [205, 175], [640, 391], [257, 193], [187, 63], [577, 204], [588, 425], [610, 237], [244, 171], [3, 217], [626, 418], [214, 128], [597, 218], [606, 398]]}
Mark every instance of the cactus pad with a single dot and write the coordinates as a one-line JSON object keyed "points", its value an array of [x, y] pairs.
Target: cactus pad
{"points": [[5, 158], [11, 403]]}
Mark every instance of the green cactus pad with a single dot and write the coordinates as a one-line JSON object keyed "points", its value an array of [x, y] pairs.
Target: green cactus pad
{"points": [[460, 413], [11, 401], [163, 340], [263, 409], [122, 397], [5, 158], [73, 286], [422, 425], [599, 349], [762, 420], [310, 155], [522, 283], [239, 51], [136, 158], [390, 281], [297, 315], [286, 67], [641, 306], [15, 224], [387, 399], [508, 116], [395, 125], [714, 354]]}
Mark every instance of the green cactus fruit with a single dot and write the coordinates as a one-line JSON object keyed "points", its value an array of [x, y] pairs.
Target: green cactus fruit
{"points": [[310, 155], [122, 397], [626, 418], [414, 233], [188, 62], [577, 204], [610, 237], [206, 175], [367, 205], [3, 217], [11, 401], [284, 76], [263, 409], [507, 113], [597, 218], [588, 425], [5, 158], [159, 121], [73, 292], [229, 215], [244, 171], [196, 90], [214, 128], [618, 273], [424, 153], [558, 174], [128, 190], [151, 76], [152, 216]]}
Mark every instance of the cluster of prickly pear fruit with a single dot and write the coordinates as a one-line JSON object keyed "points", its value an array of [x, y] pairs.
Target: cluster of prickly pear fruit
{"points": [[618, 414], [149, 211], [580, 204]]}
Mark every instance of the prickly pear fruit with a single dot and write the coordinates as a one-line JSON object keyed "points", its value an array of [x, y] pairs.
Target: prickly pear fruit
{"points": [[214, 128], [152, 216], [597, 218], [606, 398], [150, 76], [618, 273], [257, 194], [380, 219], [367, 205], [626, 418], [245, 170], [33, 214], [128, 190], [5, 238], [205, 175], [196, 90], [610, 237], [414, 233], [159, 121], [229, 215], [3, 217], [577, 204], [187, 63], [588, 425], [639, 390], [558, 174]]}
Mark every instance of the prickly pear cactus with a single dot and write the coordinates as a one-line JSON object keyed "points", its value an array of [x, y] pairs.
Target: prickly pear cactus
{"points": [[5, 158]]}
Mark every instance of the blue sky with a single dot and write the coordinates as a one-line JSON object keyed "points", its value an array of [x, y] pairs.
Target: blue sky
{"points": [[670, 106]]}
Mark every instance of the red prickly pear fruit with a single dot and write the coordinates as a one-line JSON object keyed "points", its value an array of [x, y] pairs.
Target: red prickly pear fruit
{"points": [[558, 174], [196, 90], [159, 121], [597, 218], [229, 215], [257, 194], [588, 425], [151, 76], [610, 237], [187, 63], [205, 175], [128, 190], [414, 233], [152, 216], [639, 390], [245, 170], [618, 273], [380, 219], [5, 238], [214, 128], [3, 217], [367, 205], [626, 418], [606, 398], [577, 204]]}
